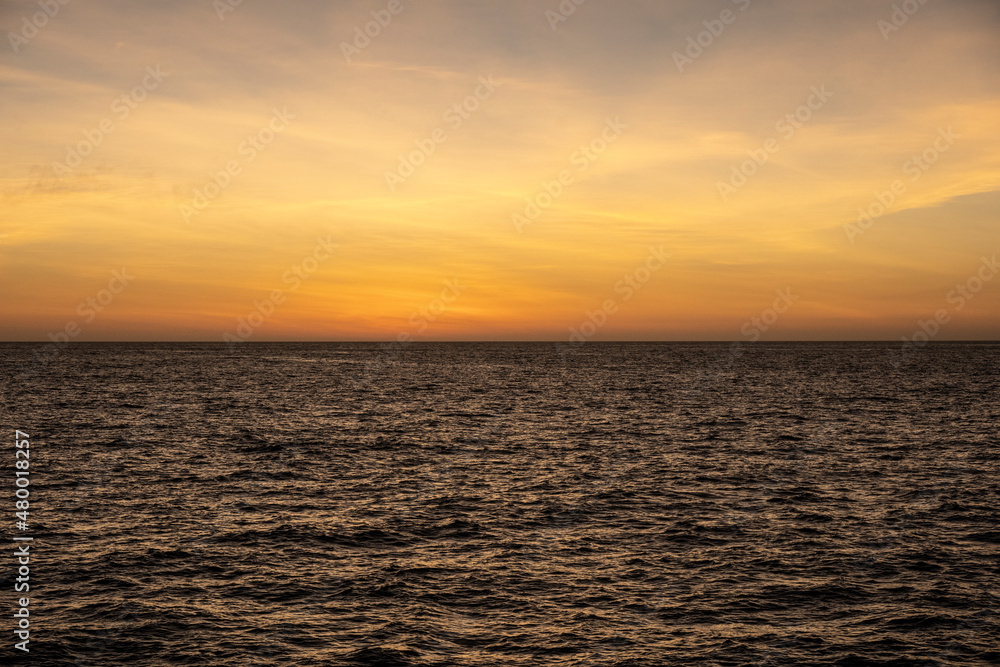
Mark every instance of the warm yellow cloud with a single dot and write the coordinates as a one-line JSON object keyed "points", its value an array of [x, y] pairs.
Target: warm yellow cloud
{"points": [[536, 167]]}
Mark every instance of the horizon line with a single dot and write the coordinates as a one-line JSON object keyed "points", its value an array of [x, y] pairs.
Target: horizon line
{"points": [[490, 342]]}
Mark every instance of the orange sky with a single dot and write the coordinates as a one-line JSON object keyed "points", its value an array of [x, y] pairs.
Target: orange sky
{"points": [[120, 115]]}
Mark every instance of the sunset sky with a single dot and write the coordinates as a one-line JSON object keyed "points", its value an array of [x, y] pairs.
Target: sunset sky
{"points": [[120, 116]]}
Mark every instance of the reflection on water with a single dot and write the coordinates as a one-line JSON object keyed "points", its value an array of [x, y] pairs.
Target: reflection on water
{"points": [[505, 504]]}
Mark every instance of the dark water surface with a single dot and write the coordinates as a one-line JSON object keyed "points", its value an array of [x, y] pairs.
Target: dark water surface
{"points": [[447, 504]]}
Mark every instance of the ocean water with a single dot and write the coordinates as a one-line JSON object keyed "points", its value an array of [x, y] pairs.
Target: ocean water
{"points": [[506, 504]]}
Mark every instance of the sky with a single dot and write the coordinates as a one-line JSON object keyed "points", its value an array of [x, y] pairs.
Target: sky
{"points": [[413, 170]]}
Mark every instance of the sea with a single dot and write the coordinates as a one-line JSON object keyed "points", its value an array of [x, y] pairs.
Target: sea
{"points": [[437, 504]]}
